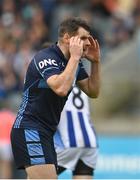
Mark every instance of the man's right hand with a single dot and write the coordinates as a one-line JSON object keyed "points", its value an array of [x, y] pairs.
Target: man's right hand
{"points": [[76, 48]]}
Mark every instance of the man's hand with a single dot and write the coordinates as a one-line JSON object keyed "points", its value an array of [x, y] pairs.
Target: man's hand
{"points": [[93, 53], [76, 47]]}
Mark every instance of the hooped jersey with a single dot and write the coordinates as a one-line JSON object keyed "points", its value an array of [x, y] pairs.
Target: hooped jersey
{"points": [[41, 106], [75, 128]]}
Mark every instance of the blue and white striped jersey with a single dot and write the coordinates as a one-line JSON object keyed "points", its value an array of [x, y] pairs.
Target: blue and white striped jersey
{"points": [[75, 128]]}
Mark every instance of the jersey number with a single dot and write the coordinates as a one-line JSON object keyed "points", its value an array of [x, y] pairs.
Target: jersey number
{"points": [[77, 99]]}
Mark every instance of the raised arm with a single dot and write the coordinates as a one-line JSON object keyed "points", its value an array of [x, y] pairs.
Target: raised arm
{"points": [[91, 85], [62, 83]]}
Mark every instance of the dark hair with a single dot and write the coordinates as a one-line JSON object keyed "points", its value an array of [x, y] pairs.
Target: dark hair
{"points": [[71, 26]]}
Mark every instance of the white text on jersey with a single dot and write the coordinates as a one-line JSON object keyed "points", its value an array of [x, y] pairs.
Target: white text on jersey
{"points": [[45, 62]]}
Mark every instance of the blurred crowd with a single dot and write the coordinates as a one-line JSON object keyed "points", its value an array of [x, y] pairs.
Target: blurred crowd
{"points": [[26, 24]]}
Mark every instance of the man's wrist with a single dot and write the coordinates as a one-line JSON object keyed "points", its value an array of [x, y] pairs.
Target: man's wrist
{"points": [[76, 59]]}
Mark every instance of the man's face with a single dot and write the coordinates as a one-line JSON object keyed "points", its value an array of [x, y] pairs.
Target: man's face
{"points": [[84, 36]]}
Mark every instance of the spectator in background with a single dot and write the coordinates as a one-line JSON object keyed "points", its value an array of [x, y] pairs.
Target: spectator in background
{"points": [[8, 12], [39, 31], [136, 13], [22, 59], [6, 121], [48, 8], [9, 79], [121, 30]]}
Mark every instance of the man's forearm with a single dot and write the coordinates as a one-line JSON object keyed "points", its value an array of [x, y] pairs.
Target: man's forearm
{"points": [[91, 85], [62, 83], [67, 77], [94, 80]]}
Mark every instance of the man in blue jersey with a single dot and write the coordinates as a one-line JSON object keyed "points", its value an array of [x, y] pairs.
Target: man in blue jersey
{"points": [[50, 77], [75, 140]]}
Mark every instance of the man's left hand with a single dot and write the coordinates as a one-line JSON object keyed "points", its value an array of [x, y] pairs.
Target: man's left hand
{"points": [[93, 53]]}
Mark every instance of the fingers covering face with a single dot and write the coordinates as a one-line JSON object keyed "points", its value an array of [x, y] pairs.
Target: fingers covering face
{"points": [[76, 40], [93, 42]]}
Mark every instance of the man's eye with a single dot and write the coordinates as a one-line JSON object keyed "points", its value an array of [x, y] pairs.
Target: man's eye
{"points": [[83, 38]]}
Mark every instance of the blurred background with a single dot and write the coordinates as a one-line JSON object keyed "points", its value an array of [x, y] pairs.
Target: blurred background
{"points": [[26, 24]]}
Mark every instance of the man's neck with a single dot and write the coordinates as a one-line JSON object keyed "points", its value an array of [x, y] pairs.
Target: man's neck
{"points": [[63, 49]]}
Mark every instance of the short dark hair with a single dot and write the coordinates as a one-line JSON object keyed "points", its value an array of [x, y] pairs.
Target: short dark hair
{"points": [[71, 26]]}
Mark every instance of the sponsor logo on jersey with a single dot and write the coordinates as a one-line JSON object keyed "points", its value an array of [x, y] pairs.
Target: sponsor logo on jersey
{"points": [[46, 62]]}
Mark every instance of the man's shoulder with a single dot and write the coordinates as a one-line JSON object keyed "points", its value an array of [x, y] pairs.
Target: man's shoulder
{"points": [[47, 53]]}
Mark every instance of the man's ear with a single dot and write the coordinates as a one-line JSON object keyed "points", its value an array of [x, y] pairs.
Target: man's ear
{"points": [[66, 38]]}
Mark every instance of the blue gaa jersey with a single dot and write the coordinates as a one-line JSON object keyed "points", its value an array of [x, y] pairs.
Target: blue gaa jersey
{"points": [[41, 106]]}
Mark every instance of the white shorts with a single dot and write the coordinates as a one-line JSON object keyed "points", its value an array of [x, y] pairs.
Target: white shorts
{"points": [[6, 152], [69, 157]]}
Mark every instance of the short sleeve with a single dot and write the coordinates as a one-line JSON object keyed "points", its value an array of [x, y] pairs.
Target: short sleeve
{"points": [[47, 65], [82, 74]]}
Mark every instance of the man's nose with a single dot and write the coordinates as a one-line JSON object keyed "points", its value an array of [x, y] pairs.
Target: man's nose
{"points": [[88, 42]]}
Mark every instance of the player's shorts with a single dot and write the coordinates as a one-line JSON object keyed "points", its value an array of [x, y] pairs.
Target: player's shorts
{"points": [[5, 152], [32, 147], [69, 157]]}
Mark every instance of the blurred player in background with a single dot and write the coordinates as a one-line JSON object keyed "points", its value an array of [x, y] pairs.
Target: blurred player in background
{"points": [[7, 118], [75, 139]]}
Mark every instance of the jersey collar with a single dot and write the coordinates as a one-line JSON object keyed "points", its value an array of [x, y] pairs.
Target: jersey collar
{"points": [[59, 52]]}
